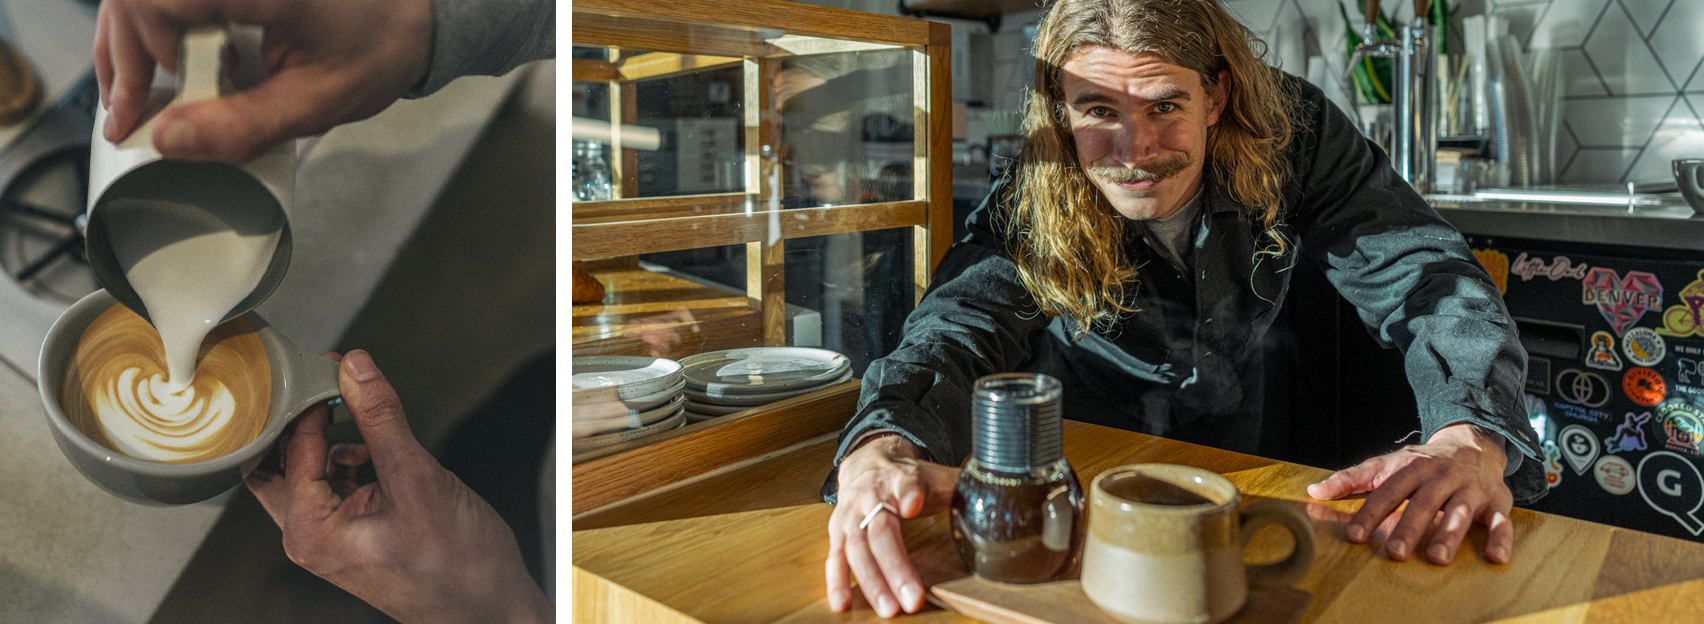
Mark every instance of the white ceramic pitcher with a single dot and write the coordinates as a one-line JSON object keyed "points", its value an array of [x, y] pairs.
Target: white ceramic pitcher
{"points": [[259, 189]]}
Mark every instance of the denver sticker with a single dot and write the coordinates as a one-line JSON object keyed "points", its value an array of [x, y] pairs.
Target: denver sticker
{"points": [[1621, 299]]}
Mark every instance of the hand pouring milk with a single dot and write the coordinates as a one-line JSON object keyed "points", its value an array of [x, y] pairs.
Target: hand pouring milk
{"points": [[186, 245]]}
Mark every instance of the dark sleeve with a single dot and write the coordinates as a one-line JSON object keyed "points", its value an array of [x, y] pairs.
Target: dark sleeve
{"points": [[1415, 283], [976, 319], [486, 38]]}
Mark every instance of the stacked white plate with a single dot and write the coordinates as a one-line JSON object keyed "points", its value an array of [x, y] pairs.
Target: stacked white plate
{"points": [[620, 398], [723, 382]]}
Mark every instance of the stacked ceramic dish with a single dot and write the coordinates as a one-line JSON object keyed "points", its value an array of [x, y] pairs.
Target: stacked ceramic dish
{"points": [[621, 398], [723, 382]]}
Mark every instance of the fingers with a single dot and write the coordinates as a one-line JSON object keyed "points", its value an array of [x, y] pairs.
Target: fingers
{"points": [[1383, 501], [305, 462], [341, 467], [836, 572], [240, 126], [1362, 477], [1452, 528], [1500, 543], [1422, 511], [266, 482], [861, 553], [131, 72], [378, 416]]}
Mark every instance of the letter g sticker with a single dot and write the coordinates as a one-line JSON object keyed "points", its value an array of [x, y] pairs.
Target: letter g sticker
{"points": [[1673, 486]]}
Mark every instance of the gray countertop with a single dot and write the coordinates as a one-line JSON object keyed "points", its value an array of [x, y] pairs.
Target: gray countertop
{"points": [[72, 553], [1668, 228]]}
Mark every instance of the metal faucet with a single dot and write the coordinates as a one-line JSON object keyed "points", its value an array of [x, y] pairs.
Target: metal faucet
{"points": [[1414, 147]]}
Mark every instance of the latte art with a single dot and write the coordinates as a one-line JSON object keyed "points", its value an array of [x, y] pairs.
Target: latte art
{"points": [[117, 391]]}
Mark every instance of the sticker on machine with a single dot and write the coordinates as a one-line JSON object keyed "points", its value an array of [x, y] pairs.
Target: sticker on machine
{"points": [[1622, 300], [1579, 447], [1644, 386], [1582, 388], [1558, 268], [1688, 375], [1614, 475], [1643, 346], [1682, 426], [1629, 435], [1496, 263], [1686, 319], [1538, 375], [1552, 467], [1671, 485], [1602, 355]]}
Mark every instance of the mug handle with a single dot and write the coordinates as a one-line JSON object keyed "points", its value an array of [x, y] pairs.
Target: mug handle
{"points": [[1292, 569], [201, 62]]}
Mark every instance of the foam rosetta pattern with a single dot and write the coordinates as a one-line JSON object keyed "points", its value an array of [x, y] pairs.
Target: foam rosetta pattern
{"points": [[121, 395]]}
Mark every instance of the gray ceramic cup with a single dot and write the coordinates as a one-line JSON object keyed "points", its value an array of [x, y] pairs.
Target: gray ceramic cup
{"points": [[299, 380], [1165, 545]]}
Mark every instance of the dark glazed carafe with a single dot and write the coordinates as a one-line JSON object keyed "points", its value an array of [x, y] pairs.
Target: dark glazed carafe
{"points": [[1018, 508]]}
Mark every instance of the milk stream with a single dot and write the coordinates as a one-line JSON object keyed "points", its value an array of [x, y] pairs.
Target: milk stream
{"points": [[190, 265]]}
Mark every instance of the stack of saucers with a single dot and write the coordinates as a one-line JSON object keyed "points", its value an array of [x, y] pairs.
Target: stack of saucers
{"points": [[723, 382], [622, 398]]}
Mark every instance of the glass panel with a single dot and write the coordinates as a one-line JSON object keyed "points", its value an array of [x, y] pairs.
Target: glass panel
{"points": [[849, 293], [847, 128]]}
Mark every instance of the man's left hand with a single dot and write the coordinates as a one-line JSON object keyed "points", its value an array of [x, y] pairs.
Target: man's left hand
{"points": [[1458, 472]]}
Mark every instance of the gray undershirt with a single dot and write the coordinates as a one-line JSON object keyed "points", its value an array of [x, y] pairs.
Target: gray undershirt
{"points": [[1170, 236]]}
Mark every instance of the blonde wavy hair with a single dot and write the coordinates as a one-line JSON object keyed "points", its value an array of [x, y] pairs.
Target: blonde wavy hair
{"points": [[1065, 238]]}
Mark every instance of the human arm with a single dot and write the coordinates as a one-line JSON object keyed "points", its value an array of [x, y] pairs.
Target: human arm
{"points": [[975, 320], [417, 544], [326, 62], [1418, 288]]}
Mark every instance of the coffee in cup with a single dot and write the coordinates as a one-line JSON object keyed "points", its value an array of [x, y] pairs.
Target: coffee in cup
{"points": [[117, 390], [296, 380], [1165, 545]]}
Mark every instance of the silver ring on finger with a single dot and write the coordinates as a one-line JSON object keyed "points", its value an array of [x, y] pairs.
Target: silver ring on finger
{"points": [[876, 510]]}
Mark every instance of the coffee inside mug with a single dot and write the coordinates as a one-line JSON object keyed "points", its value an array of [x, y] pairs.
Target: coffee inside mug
{"points": [[116, 391], [298, 380]]}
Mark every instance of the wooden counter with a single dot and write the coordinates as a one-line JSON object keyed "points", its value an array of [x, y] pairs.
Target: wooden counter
{"points": [[748, 546]]}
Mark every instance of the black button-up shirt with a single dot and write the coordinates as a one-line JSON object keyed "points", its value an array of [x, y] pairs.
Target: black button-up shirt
{"points": [[1189, 364]]}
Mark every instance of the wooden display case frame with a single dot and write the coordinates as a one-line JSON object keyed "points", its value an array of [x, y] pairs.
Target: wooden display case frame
{"points": [[629, 225]]}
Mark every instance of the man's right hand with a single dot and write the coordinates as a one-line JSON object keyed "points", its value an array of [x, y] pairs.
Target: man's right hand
{"points": [[884, 470]]}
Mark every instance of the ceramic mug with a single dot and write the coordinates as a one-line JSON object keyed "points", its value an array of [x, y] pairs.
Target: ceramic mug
{"points": [[299, 380], [1165, 545], [253, 197], [1687, 173]]}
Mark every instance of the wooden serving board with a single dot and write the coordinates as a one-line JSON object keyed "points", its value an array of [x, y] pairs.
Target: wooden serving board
{"points": [[1063, 602]]}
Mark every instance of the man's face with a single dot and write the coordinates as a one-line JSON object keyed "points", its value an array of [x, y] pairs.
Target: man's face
{"points": [[1141, 128]]}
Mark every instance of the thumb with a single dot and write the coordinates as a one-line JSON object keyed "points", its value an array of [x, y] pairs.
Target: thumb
{"points": [[1361, 477], [237, 127], [378, 413]]}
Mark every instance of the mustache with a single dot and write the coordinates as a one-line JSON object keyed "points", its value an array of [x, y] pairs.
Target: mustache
{"points": [[1153, 173]]}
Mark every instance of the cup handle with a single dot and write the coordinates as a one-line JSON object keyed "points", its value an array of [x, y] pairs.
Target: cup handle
{"points": [[317, 379], [1292, 569], [201, 62]]}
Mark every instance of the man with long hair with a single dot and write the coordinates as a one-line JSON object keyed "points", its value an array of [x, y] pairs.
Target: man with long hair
{"points": [[1140, 251]]}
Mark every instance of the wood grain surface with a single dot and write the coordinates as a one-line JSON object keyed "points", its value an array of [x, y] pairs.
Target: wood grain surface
{"points": [[748, 546]]}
